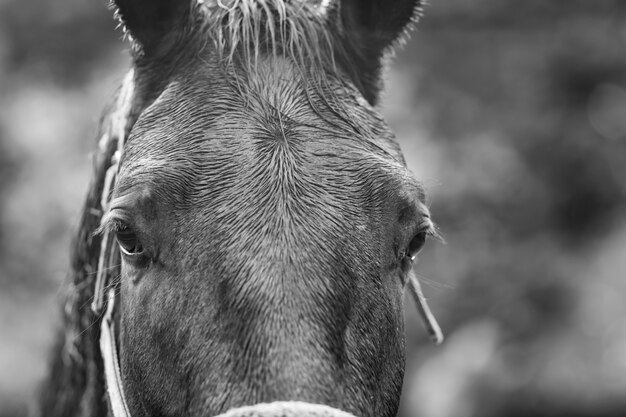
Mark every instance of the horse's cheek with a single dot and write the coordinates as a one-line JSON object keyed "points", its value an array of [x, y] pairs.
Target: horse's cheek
{"points": [[375, 349], [148, 348], [391, 348]]}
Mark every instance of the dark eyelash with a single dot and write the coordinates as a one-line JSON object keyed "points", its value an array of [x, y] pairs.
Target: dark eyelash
{"points": [[118, 225], [431, 231], [428, 227], [113, 221]]}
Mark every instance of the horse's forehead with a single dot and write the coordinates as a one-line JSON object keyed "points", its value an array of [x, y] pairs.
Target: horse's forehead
{"points": [[265, 120]]}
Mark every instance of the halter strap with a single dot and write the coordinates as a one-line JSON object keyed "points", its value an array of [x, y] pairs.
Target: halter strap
{"points": [[116, 136], [108, 349], [119, 126], [428, 318]]}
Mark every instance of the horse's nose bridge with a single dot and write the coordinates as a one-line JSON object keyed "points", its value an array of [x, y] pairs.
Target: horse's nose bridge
{"points": [[299, 339], [309, 302], [294, 304]]}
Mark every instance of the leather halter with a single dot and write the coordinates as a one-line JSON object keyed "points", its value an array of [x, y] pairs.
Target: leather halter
{"points": [[108, 349], [109, 254]]}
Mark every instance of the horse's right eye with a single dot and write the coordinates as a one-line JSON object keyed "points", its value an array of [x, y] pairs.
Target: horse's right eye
{"points": [[128, 241]]}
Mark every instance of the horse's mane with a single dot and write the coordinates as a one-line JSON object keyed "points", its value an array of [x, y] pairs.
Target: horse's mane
{"points": [[308, 33], [294, 29]]}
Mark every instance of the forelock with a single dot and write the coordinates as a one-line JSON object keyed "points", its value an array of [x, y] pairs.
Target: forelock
{"points": [[243, 30]]}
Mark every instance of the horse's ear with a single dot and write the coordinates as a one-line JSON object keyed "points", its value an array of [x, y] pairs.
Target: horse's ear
{"points": [[371, 28], [153, 24]]}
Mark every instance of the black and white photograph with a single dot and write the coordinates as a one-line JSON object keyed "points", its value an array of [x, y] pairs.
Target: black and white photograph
{"points": [[313, 208]]}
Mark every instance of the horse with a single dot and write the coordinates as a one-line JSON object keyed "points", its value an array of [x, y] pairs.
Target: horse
{"points": [[251, 224]]}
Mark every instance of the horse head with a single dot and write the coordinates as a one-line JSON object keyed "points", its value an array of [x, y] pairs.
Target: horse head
{"points": [[265, 219]]}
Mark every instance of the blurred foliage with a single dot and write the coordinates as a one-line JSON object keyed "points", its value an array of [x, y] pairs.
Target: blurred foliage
{"points": [[513, 114], [519, 128]]}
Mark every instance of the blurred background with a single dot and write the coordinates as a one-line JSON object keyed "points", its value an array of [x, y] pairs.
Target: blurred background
{"points": [[513, 114]]}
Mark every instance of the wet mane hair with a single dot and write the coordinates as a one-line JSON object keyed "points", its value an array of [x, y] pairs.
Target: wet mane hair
{"points": [[245, 31], [295, 30], [311, 34]]}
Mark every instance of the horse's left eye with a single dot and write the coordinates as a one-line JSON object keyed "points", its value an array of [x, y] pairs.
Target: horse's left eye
{"points": [[128, 241], [416, 245]]}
